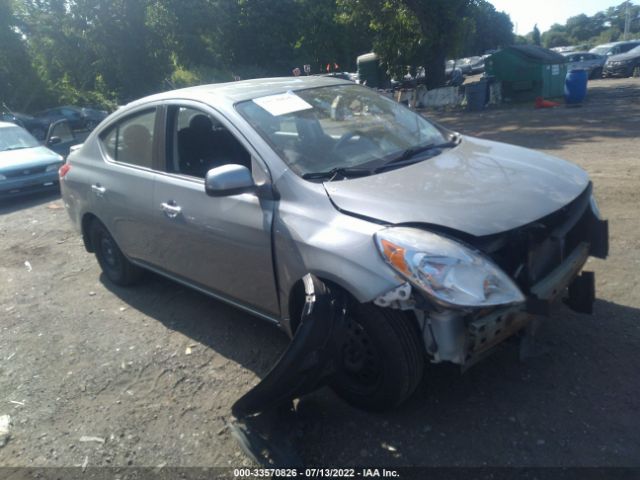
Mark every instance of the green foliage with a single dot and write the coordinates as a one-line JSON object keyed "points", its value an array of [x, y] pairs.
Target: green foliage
{"points": [[107, 52], [603, 27], [425, 32]]}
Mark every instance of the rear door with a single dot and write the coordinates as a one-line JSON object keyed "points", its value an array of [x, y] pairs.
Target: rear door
{"points": [[121, 186], [222, 244]]}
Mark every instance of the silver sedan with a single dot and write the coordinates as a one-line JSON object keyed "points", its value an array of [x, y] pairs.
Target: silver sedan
{"points": [[377, 239], [26, 166]]}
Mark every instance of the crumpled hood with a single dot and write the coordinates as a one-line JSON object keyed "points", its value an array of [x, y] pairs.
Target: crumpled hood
{"points": [[479, 187], [27, 157]]}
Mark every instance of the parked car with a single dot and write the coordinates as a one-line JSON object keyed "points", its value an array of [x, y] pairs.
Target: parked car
{"points": [[25, 165], [277, 195], [615, 48], [590, 62], [624, 64], [93, 116], [36, 126], [79, 118]]}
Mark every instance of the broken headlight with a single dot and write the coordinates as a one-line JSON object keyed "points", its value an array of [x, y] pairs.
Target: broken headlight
{"points": [[451, 273]]}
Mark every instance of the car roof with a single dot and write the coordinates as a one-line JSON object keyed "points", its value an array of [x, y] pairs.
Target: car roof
{"points": [[233, 92]]}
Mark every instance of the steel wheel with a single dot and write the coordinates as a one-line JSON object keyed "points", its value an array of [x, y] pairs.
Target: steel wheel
{"points": [[382, 358], [360, 360], [114, 264]]}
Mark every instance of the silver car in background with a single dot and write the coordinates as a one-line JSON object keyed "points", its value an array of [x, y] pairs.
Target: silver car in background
{"points": [[591, 62], [273, 194], [26, 166]]}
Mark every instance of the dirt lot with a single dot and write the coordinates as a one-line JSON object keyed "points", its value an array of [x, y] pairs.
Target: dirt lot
{"points": [[152, 371]]}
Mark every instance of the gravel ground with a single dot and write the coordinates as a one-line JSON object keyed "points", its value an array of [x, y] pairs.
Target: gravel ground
{"points": [[103, 376]]}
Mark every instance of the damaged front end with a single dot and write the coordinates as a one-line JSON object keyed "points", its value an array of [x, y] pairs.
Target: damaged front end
{"points": [[470, 297]]}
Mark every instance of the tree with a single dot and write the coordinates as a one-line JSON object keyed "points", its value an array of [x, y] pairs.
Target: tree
{"points": [[535, 35], [486, 29], [20, 85], [556, 36], [413, 32]]}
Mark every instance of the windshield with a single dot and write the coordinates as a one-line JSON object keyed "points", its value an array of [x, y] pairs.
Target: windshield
{"points": [[600, 50], [15, 138], [337, 127]]}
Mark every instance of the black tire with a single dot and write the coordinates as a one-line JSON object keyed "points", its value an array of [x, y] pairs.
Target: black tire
{"points": [[114, 264], [596, 73], [382, 361]]}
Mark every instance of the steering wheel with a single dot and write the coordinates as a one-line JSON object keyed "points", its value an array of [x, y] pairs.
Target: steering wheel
{"points": [[344, 139]]}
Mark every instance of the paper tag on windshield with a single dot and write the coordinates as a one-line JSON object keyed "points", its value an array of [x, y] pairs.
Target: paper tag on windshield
{"points": [[282, 103]]}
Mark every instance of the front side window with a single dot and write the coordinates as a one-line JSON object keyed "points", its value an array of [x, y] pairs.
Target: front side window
{"points": [[131, 140], [343, 126], [198, 142]]}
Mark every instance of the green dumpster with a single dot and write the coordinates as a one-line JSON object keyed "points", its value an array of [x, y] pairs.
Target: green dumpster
{"points": [[371, 73], [527, 72]]}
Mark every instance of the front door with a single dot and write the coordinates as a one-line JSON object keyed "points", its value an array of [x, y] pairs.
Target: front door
{"points": [[222, 244]]}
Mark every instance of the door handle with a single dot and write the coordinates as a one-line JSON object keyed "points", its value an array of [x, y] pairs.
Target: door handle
{"points": [[171, 210], [98, 189]]}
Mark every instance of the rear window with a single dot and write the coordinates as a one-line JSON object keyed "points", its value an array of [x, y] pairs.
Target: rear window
{"points": [[131, 139]]}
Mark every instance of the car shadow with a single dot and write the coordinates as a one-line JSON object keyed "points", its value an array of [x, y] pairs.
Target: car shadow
{"points": [[245, 339], [14, 204], [575, 402], [609, 111], [555, 408]]}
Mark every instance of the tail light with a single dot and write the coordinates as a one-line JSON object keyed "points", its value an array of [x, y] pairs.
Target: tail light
{"points": [[64, 169]]}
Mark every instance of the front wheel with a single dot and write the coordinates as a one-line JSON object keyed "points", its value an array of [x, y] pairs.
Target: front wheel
{"points": [[596, 73], [382, 359], [114, 264]]}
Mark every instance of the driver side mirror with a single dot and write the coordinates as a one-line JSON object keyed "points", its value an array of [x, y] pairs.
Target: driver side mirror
{"points": [[54, 141], [228, 180]]}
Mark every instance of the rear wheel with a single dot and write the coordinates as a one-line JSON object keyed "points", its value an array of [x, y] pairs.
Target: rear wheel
{"points": [[114, 264], [382, 360]]}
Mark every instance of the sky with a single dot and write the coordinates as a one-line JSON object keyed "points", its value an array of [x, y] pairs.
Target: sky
{"points": [[526, 13]]}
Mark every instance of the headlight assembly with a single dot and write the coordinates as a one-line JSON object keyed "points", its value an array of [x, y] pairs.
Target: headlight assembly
{"points": [[450, 273]]}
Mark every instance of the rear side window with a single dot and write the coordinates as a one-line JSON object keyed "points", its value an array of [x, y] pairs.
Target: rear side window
{"points": [[131, 140]]}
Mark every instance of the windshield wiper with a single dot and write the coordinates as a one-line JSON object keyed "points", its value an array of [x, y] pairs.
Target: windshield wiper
{"points": [[345, 172], [405, 158]]}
